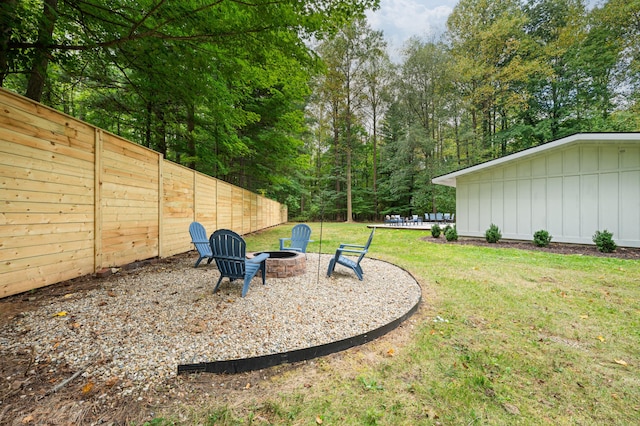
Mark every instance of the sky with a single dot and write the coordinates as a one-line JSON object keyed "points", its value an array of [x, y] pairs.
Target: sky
{"points": [[401, 19], [427, 19]]}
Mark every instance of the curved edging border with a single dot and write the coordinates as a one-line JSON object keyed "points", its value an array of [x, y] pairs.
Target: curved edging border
{"points": [[241, 365]]}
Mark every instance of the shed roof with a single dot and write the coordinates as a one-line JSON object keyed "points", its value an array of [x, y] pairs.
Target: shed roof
{"points": [[450, 178]]}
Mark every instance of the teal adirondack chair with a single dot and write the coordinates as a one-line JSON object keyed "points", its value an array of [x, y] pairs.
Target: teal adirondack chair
{"points": [[349, 262], [229, 252], [300, 235], [201, 242]]}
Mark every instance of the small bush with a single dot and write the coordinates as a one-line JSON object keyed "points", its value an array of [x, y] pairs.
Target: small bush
{"points": [[436, 231], [542, 238], [604, 241], [451, 234], [493, 234]]}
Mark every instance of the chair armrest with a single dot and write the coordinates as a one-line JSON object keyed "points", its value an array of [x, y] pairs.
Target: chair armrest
{"points": [[351, 245], [341, 250], [259, 258], [285, 239]]}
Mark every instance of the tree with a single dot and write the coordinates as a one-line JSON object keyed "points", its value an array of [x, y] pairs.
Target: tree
{"points": [[378, 77], [346, 56]]}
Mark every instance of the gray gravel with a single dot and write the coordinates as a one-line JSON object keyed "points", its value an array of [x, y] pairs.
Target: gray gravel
{"points": [[138, 327]]}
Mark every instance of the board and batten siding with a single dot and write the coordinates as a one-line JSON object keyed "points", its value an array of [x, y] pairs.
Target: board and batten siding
{"points": [[75, 199], [571, 192]]}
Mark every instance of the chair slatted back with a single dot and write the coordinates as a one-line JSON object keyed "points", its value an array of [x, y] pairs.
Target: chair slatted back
{"points": [[229, 251], [366, 247], [300, 235], [199, 238]]}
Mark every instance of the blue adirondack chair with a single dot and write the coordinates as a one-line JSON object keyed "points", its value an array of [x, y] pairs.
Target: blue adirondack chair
{"points": [[229, 252], [354, 250], [201, 242], [299, 238]]}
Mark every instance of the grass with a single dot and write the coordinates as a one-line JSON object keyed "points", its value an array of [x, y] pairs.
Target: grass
{"points": [[504, 336]]}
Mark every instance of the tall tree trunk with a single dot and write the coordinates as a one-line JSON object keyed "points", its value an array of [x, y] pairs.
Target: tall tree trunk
{"points": [[191, 140], [38, 74], [375, 163], [8, 9], [349, 202]]}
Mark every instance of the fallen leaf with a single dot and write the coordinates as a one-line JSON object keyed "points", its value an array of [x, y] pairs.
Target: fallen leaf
{"points": [[433, 331], [621, 361], [390, 352], [318, 420], [601, 338], [27, 419], [87, 388], [248, 386], [60, 314], [584, 316], [112, 381]]}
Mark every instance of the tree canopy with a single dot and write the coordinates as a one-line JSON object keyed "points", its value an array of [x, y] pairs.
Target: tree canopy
{"points": [[299, 100]]}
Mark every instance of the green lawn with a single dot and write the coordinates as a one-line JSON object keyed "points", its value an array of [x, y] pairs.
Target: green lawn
{"points": [[503, 336]]}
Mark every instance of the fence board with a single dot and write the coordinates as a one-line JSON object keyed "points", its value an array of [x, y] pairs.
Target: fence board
{"points": [[76, 199], [206, 202]]}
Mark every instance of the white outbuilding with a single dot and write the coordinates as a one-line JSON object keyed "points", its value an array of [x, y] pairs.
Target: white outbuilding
{"points": [[571, 187]]}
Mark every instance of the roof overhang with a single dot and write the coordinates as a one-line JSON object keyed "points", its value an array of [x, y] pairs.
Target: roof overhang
{"points": [[450, 178]]}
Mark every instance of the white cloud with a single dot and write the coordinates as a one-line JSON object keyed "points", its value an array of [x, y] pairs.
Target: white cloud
{"points": [[401, 19]]}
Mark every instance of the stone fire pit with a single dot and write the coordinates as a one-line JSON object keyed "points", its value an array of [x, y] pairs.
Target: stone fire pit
{"points": [[284, 264]]}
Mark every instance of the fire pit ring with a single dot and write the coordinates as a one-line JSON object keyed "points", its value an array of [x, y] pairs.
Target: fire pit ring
{"points": [[284, 264]]}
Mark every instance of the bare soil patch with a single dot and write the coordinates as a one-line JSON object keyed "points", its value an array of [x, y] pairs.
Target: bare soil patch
{"points": [[630, 253]]}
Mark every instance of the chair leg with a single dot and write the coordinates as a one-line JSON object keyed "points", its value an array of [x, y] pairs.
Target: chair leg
{"points": [[245, 287], [332, 265], [218, 284], [198, 261], [263, 266], [358, 271]]}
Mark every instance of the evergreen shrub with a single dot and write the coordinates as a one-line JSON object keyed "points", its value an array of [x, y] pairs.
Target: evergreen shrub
{"points": [[451, 234], [493, 235], [604, 241], [542, 238]]}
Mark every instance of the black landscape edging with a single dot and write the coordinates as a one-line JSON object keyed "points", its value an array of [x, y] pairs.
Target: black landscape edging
{"points": [[242, 365]]}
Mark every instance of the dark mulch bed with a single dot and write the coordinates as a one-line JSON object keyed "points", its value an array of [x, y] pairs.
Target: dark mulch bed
{"points": [[631, 253]]}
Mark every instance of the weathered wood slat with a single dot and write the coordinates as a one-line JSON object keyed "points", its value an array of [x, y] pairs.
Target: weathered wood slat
{"points": [[40, 250], [45, 145], [40, 159], [27, 207]]}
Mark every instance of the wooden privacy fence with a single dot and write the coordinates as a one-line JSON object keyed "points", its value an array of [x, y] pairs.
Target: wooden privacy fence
{"points": [[76, 199]]}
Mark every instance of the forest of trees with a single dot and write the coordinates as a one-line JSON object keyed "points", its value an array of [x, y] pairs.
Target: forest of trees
{"points": [[299, 101]]}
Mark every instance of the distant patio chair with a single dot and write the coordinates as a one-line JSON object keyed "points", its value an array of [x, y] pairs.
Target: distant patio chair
{"points": [[299, 239], [201, 242], [229, 252], [352, 249]]}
